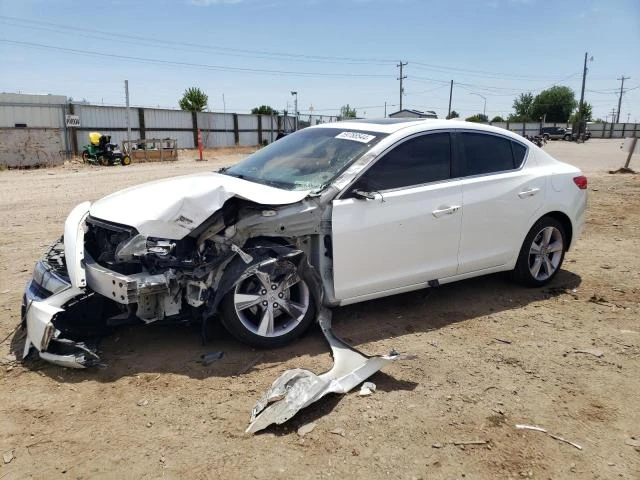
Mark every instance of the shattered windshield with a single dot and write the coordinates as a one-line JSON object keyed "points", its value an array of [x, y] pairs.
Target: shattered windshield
{"points": [[305, 160]]}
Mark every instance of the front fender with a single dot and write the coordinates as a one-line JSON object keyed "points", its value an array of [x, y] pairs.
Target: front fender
{"points": [[74, 228]]}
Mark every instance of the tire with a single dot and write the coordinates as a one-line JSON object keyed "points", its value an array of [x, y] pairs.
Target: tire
{"points": [[104, 161], [126, 160], [546, 136], [254, 310], [85, 156], [567, 138], [541, 254]]}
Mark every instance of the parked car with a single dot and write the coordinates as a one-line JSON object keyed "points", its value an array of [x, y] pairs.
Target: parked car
{"points": [[556, 133], [330, 215]]}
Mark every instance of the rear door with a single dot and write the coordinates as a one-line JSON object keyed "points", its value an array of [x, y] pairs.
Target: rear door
{"points": [[409, 232], [502, 193]]}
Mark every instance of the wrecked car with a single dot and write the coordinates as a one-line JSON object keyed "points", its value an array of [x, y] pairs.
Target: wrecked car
{"points": [[330, 215]]}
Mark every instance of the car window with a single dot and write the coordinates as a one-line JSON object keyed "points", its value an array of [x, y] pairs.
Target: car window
{"points": [[519, 152], [486, 153], [308, 159], [422, 159]]}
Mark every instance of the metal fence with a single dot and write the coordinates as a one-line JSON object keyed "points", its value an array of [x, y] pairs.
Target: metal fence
{"points": [[598, 130], [30, 112]]}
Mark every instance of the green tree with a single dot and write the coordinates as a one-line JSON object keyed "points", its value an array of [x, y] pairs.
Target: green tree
{"points": [[478, 118], [497, 118], [555, 104], [585, 112], [453, 114], [264, 110], [193, 100], [523, 106], [347, 112]]}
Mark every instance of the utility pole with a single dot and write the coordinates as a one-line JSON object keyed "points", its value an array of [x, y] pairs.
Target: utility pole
{"points": [[581, 104], [401, 77], [450, 95], [295, 110], [385, 109], [620, 97], [126, 94]]}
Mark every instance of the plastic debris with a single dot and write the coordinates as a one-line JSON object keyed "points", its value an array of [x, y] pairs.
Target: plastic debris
{"points": [[367, 389], [297, 388], [305, 429]]}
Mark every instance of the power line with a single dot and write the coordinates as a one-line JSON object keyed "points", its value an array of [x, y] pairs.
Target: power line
{"points": [[66, 29], [108, 35], [195, 65]]}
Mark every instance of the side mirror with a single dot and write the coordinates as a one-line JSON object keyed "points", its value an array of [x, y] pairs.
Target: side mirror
{"points": [[362, 195]]}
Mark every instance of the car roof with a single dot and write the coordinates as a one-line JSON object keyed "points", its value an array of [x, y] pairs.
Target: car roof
{"points": [[392, 125]]}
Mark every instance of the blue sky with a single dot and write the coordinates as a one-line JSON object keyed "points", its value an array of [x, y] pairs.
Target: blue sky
{"points": [[332, 52]]}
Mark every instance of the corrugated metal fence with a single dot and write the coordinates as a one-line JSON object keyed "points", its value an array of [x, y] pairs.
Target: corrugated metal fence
{"points": [[598, 130], [217, 129]]}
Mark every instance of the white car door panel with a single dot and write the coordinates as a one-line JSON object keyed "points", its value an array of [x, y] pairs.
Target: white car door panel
{"points": [[401, 238], [498, 211]]}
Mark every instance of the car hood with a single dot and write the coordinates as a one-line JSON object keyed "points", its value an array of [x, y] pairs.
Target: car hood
{"points": [[173, 207]]}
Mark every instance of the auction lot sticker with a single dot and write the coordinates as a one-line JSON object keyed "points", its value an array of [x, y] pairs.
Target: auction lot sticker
{"points": [[356, 136]]}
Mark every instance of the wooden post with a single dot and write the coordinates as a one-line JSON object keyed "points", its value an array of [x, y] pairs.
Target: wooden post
{"points": [[604, 125], [633, 147], [236, 133], [143, 133]]}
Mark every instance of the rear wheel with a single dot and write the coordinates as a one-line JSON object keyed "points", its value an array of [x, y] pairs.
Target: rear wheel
{"points": [[541, 254], [104, 161], [126, 160], [85, 156], [546, 136], [269, 311]]}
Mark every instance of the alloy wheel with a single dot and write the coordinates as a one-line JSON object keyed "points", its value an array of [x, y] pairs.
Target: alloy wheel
{"points": [[545, 253], [271, 307]]}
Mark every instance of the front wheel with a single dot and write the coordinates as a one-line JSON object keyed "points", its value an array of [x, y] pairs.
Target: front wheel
{"points": [[541, 254], [85, 156], [104, 161], [269, 310], [546, 137], [126, 160]]}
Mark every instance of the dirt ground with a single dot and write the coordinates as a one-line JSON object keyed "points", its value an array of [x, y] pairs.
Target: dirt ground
{"points": [[490, 355]]}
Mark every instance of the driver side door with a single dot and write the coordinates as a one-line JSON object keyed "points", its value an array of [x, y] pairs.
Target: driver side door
{"points": [[409, 233]]}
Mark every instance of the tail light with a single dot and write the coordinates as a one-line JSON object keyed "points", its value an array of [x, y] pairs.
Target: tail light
{"points": [[581, 182]]}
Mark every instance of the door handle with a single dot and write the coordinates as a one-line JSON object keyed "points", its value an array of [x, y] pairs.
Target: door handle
{"points": [[529, 192], [446, 211]]}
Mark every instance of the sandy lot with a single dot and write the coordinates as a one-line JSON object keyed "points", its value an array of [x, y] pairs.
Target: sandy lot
{"points": [[490, 355]]}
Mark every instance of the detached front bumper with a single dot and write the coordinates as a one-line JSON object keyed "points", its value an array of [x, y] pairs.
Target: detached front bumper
{"points": [[44, 301]]}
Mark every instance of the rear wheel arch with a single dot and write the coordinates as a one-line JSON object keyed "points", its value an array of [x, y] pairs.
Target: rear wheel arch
{"points": [[565, 221]]}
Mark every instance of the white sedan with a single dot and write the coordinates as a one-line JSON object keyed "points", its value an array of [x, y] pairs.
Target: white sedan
{"points": [[330, 215]]}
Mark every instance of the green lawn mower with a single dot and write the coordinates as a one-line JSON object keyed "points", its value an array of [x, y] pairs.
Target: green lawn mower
{"points": [[101, 151]]}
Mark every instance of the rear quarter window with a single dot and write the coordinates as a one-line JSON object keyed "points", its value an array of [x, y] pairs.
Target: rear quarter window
{"points": [[519, 152]]}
